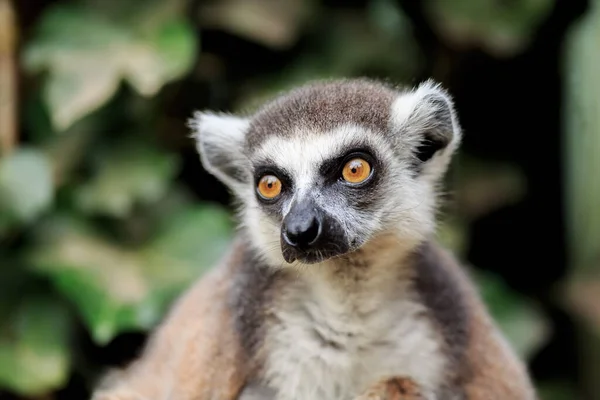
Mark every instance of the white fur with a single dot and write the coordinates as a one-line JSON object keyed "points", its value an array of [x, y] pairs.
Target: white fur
{"points": [[411, 114], [224, 133], [408, 209], [380, 330]]}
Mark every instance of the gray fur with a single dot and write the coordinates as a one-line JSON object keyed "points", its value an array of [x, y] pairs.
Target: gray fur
{"points": [[441, 292], [322, 106], [257, 392], [250, 296], [304, 137]]}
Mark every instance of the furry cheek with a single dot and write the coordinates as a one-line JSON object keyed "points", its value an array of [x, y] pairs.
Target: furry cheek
{"points": [[264, 234], [413, 218]]}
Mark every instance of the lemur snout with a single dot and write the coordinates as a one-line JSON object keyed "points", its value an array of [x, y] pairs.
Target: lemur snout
{"points": [[308, 234], [302, 232], [302, 226]]}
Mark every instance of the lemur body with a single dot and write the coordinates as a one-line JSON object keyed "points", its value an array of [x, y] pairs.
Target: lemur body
{"points": [[335, 288]]}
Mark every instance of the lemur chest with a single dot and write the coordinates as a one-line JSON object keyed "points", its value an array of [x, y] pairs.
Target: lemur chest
{"points": [[332, 351]]}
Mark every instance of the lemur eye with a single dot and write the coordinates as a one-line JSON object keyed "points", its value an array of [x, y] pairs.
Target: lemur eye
{"points": [[269, 187], [356, 170]]}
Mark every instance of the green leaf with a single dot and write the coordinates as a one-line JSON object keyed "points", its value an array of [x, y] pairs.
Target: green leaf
{"points": [[34, 354], [117, 288], [273, 23], [131, 173], [518, 318], [503, 28], [87, 54], [26, 187]]}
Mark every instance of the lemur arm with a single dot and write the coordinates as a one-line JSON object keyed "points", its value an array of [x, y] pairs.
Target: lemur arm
{"points": [[386, 389], [193, 355], [398, 388]]}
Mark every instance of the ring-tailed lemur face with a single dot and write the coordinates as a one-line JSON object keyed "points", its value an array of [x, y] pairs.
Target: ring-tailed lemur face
{"points": [[325, 168]]}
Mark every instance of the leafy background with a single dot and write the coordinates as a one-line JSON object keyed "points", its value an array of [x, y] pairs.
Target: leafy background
{"points": [[106, 214]]}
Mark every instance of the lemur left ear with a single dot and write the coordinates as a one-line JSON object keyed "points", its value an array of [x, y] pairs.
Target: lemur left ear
{"points": [[220, 141], [426, 119]]}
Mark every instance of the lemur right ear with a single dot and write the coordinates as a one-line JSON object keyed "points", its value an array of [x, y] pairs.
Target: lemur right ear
{"points": [[426, 119], [220, 143]]}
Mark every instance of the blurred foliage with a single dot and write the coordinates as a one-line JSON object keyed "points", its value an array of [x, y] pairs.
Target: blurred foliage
{"points": [[503, 28], [25, 187], [356, 43], [31, 360], [520, 320], [582, 115], [88, 50], [273, 23], [117, 288], [100, 229]]}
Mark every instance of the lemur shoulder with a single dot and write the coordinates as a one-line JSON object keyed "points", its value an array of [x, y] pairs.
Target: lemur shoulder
{"points": [[335, 287]]}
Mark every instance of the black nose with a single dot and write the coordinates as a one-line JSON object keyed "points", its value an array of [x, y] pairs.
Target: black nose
{"points": [[302, 230]]}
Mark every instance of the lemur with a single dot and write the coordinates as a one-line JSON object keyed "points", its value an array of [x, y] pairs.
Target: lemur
{"points": [[335, 287]]}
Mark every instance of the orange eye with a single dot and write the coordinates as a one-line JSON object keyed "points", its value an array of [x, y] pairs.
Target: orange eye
{"points": [[269, 187], [356, 170]]}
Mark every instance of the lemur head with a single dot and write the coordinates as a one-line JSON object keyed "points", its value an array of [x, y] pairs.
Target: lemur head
{"points": [[324, 169]]}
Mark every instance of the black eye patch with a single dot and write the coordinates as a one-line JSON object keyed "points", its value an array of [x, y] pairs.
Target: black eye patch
{"points": [[271, 169], [331, 169]]}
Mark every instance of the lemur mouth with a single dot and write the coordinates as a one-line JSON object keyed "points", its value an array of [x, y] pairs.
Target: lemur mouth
{"points": [[313, 255]]}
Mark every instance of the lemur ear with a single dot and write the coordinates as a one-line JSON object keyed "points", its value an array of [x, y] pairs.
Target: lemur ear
{"points": [[425, 117], [220, 143]]}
